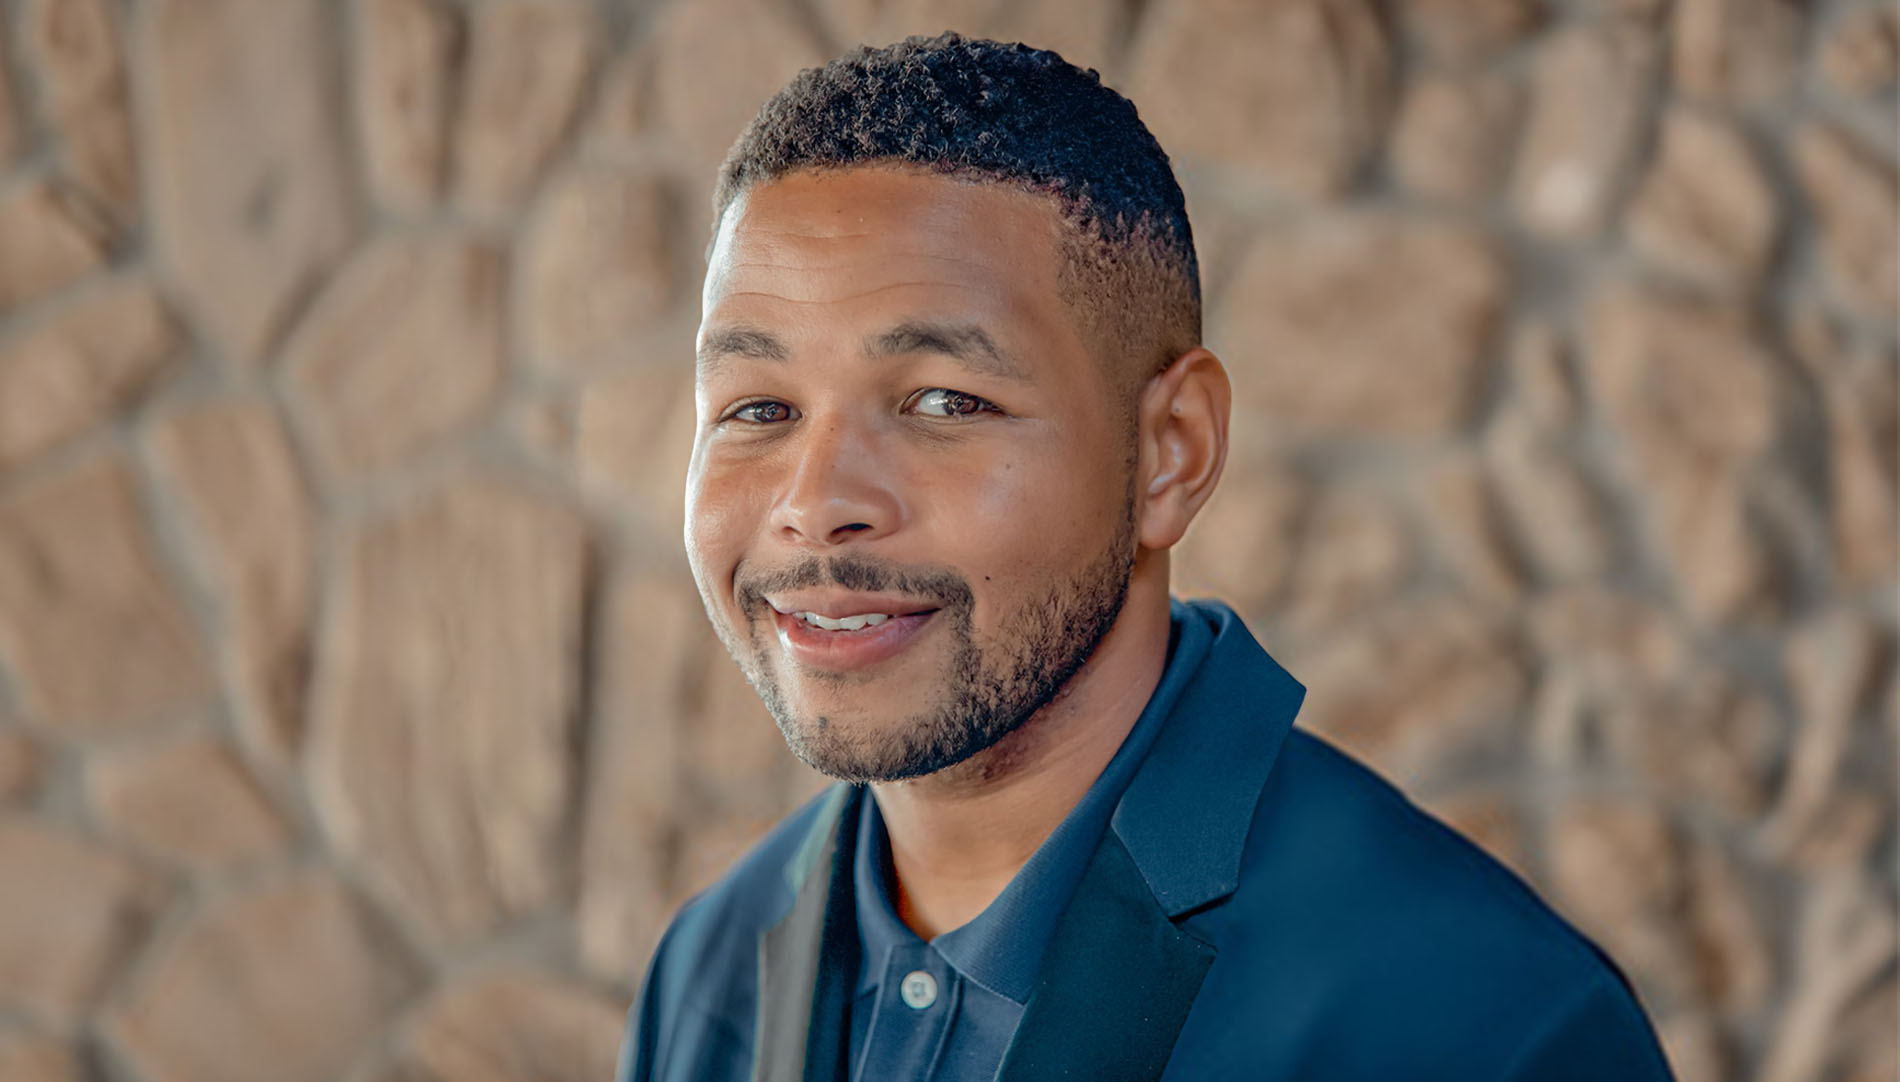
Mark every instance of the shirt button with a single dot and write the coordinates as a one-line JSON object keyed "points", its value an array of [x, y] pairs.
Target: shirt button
{"points": [[919, 989]]}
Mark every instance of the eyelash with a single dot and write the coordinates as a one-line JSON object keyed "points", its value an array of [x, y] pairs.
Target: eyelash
{"points": [[984, 405]]}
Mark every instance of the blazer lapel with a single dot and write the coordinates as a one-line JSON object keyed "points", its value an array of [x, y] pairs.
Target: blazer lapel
{"points": [[1115, 986], [808, 960]]}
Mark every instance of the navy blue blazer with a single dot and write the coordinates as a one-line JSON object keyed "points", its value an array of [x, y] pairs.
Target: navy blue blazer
{"points": [[1261, 907]]}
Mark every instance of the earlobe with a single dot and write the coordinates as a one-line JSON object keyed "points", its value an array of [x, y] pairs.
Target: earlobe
{"points": [[1184, 422]]}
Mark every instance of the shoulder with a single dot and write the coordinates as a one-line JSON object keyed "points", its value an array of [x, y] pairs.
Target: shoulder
{"points": [[1363, 912], [703, 975]]}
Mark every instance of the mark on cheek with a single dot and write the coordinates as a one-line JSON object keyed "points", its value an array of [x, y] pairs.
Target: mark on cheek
{"points": [[823, 723]]}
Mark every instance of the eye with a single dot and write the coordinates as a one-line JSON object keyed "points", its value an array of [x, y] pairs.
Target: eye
{"points": [[952, 403], [752, 411]]}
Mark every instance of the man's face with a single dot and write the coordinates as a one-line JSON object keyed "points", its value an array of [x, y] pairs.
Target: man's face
{"points": [[897, 416]]}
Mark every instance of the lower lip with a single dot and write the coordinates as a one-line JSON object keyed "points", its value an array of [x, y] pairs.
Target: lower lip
{"points": [[847, 650]]}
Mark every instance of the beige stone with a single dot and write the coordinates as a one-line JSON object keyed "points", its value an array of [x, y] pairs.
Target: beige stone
{"points": [[93, 630], [1744, 51], [1468, 523], [757, 44], [248, 189], [1832, 662], [1451, 135], [1589, 92], [68, 916], [1860, 54], [73, 47], [1553, 507], [1706, 210], [1734, 969], [1854, 196], [633, 439], [33, 1057], [1616, 866], [598, 267], [1703, 739], [1302, 86], [1688, 389], [527, 64], [517, 1027], [240, 481], [406, 53], [51, 242], [1362, 325], [440, 756], [657, 636], [189, 802], [281, 981], [87, 361], [12, 123], [21, 764], [1863, 411], [1085, 35], [1448, 679], [1616, 643], [1353, 555], [402, 350], [1844, 938], [1694, 1047], [1241, 545], [1465, 30]]}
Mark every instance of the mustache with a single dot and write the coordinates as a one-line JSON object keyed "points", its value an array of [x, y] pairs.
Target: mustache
{"points": [[943, 587]]}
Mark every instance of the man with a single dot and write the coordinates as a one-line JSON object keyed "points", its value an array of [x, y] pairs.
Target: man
{"points": [[953, 413]]}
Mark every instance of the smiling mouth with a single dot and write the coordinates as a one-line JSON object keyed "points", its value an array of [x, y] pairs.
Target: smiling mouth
{"points": [[862, 645]]}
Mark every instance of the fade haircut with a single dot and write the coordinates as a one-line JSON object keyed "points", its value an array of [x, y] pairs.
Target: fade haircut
{"points": [[1008, 114]]}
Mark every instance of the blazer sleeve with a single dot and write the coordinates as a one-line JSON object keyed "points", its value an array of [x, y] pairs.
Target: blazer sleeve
{"points": [[1599, 1034], [639, 1046]]}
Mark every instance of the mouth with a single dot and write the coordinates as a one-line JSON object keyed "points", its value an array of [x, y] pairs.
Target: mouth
{"points": [[849, 643]]}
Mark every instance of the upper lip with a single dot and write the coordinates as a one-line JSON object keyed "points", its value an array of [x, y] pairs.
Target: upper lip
{"points": [[838, 605]]}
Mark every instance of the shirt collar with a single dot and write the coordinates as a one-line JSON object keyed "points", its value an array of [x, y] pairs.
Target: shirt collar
{"points": [[1001, 948]]}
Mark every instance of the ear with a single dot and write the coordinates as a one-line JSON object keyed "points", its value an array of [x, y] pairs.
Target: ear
{"points": [[1183, 443]]}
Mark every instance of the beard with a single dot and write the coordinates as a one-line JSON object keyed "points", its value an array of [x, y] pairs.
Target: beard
{"points": [[986, 692]]}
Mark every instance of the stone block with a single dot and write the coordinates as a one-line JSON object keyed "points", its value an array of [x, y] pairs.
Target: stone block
{"points": [[633, 440], [440, 756], [190, 803], [1364, 325], [282, 981], [1590, 91], [528, 62], [1860, 52], [243, 490], [516, 1027], [403, 349], [1450, 680], [94, 631], [85, 363], [1706, 210], [1452, 133], [1736, 51], [1302, 86], [598, 268], [756, 43], [35, 1057], [74, 49], [1462, 31], [1689, 390], [69, 913], [1853, 194], [51, 242], [406, 56], [21, 764], [249, 189]]}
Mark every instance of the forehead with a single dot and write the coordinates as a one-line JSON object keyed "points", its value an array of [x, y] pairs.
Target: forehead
{"points": [[865, 240]]}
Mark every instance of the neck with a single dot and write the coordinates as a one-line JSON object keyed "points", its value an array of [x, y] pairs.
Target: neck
{"points": [[960, 835]]}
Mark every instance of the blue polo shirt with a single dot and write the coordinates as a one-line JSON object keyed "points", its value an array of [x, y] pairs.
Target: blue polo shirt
{"points": [[945, 1010]]}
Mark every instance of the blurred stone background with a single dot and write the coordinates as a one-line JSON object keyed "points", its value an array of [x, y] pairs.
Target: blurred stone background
{"points": [[359, 720]]}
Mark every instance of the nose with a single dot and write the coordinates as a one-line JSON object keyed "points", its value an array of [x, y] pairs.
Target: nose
{"points": [[840, 488]]}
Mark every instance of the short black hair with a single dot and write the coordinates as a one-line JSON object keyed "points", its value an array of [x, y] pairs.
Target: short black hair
{"points": [[1010, 114]]}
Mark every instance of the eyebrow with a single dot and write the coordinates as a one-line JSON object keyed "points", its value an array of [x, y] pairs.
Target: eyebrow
{"points": [[966, 343]]}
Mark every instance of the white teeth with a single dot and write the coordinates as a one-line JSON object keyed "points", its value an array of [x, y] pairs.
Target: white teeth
{"points": [[849, 623]]}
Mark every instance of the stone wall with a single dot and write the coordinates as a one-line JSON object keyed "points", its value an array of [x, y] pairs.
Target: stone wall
{"points": [[358, 718]]}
